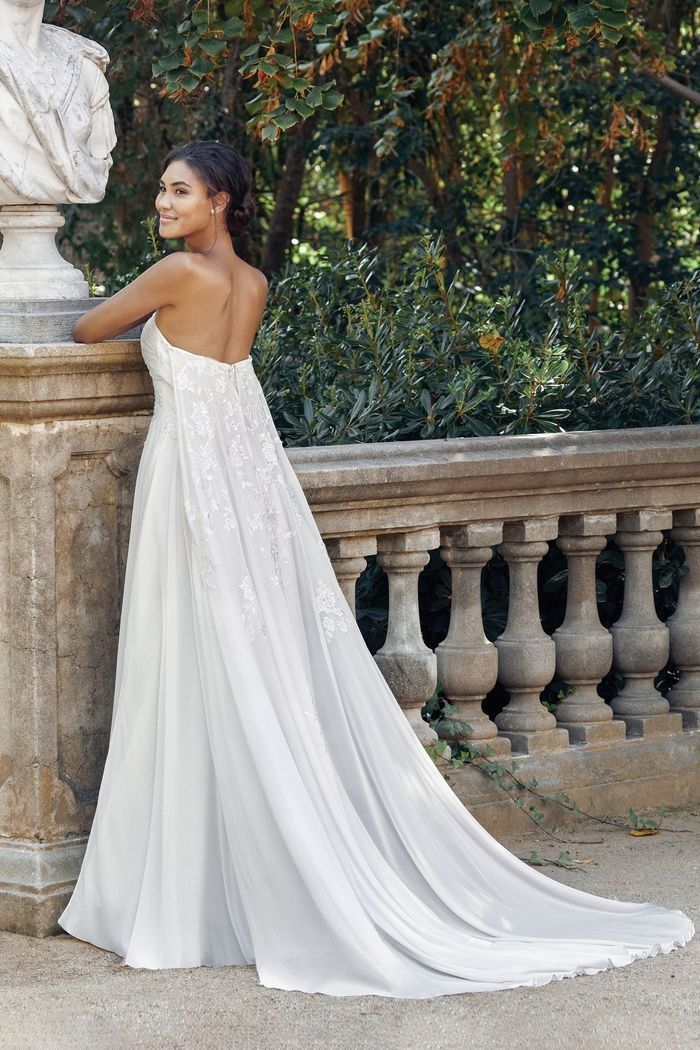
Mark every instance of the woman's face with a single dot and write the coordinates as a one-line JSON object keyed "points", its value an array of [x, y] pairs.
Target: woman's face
{"points": [[183, 202]]}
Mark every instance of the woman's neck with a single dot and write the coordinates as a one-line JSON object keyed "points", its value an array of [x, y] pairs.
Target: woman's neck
{"points": [[221, 248]]}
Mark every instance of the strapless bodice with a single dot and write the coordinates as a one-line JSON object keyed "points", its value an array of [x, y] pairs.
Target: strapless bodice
{"points": [[161, 356]]}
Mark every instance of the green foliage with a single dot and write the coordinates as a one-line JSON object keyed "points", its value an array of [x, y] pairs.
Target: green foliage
{"points": [[547, 19], [152, 254], [194, 49], [527, 795], [355, 351], [512, 140]]}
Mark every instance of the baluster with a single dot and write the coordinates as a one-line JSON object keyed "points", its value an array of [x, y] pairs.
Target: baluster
{"points": [[348, 555], [526, 655], [684, 624], [584, 647], [467, 663], [406, 662], [640, 639]]}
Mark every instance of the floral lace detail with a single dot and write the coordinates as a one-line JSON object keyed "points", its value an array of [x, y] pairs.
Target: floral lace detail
{"points": [[252, 615], [201, 530], [214, 504], [226, 415], [317, 728], [331, 613]]}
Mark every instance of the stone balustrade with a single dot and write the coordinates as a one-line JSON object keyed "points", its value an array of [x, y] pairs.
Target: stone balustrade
{"points": [[515, 494], [72, 424]]}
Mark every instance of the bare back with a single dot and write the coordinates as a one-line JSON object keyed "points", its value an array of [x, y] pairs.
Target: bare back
{"points": [[219, 312]]}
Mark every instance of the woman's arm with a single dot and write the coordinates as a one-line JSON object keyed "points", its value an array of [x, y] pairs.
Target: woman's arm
{"points": [[160, 285]]}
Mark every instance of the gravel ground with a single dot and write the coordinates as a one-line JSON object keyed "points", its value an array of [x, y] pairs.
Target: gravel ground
{"points": [[63, 993]]}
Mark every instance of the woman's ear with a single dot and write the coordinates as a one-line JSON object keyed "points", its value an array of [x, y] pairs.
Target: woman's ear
{"points": [[220, 202]]}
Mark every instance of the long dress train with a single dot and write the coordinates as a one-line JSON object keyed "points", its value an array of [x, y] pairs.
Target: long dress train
{"points": [[264, 799]]}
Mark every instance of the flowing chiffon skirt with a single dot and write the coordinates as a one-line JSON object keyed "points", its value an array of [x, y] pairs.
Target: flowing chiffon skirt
{"points": [[264, 799]]}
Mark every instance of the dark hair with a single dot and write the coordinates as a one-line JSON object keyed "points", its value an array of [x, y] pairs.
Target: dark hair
{"points": [[222, 169]]}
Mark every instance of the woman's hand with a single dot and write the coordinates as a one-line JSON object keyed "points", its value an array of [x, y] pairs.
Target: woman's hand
{"points": [[160, 285]]}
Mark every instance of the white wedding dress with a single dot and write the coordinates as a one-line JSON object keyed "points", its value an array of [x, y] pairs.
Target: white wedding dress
{"points": [[264, 799]]}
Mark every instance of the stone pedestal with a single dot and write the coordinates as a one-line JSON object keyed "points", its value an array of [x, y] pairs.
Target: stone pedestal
{"points": [[30, 264], [72, 423], [43, 320]]}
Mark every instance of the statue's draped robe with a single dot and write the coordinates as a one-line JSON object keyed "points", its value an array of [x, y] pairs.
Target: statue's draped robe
{"points": [[56, 124]]}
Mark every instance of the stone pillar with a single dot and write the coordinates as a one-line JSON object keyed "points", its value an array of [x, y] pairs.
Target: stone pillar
{"points": [[406, 662], [72, 422], [584, 647], [526, 655], [640, 639], [348, 555], [467, 663], [684, 624]]}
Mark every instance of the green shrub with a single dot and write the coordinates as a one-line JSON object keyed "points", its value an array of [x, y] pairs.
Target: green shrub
{"points": [[357, 351]]}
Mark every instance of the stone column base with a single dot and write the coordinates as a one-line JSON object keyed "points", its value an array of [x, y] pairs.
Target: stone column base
{"points": [[500, 745], [690, 716], [542, 740], [595, 734], [36, 882], [652, 725]]}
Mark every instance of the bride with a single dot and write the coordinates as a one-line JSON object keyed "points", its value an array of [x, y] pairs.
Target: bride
{"points": [[264, 799]]}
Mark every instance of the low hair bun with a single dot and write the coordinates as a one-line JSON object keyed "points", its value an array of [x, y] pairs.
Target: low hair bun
{"points": [[238, 217]]}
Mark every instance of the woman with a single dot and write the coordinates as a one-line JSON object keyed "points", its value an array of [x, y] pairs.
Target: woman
{"points": [[264, 799]]}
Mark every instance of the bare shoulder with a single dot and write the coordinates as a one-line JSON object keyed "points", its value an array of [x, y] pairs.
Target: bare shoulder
{"points": [[178, 262], [262, 279], [173, 267], [258, 279]]}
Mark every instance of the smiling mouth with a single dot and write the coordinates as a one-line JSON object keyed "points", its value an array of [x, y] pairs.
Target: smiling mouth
{"points": [[168, 218]]}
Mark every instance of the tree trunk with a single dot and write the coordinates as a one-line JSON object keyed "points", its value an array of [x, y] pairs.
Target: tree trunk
{"points": [[518, 238], [281, 224], [377, 207], [605, 190], [353, 186], [604, 199], [666, 16]]}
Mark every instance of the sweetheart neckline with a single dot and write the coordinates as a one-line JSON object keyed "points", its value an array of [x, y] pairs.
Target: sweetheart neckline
{"points": [[201, 357]]}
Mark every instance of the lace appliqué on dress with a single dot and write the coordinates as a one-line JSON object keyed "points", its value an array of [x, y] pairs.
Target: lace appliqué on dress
{"points": [[227, 416], [252, 615], [331, 614], [214, 505]]}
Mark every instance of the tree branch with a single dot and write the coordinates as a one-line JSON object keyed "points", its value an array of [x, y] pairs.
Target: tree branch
{"points": [[674, 86]]}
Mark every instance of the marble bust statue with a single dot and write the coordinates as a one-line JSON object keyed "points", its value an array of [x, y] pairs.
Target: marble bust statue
{"points": [[56, 124]]}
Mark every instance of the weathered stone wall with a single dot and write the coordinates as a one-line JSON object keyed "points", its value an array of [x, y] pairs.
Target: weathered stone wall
{"points": [[72, 425]]}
